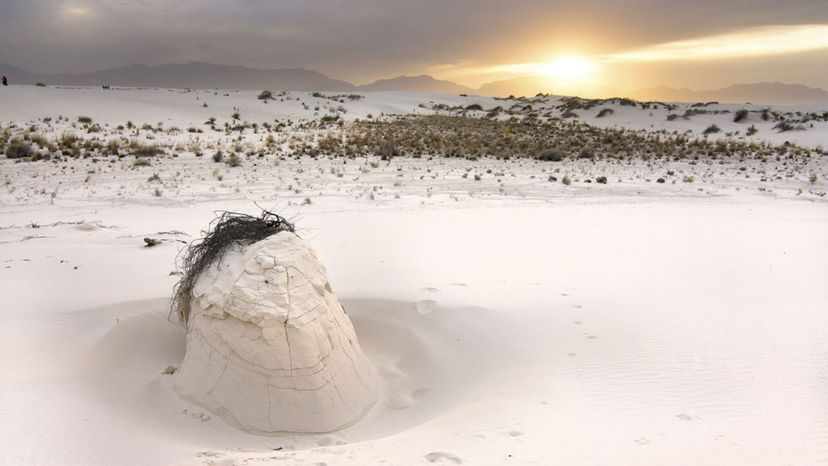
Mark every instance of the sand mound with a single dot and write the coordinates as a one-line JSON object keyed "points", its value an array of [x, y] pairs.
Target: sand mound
{"points": [[269, 346]]}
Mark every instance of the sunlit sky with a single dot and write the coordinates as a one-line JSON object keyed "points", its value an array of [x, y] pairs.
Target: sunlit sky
{"points": [[570, 44]]}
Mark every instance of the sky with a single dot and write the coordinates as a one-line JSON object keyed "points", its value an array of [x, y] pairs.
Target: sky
{"points": [[617, 44]]}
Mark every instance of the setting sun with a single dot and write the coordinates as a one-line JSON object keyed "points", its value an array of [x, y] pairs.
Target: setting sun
{"points": [[567, 69]]}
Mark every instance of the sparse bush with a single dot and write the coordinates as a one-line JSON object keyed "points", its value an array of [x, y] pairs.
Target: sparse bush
{"points": [[234, 160], [740, 116], [265, 95], [40, 84], [604, 112], [712, 129], [218, 156], [551, 155], [566, 180], [813, 178], [474, 107], [147, 151], [752, 130], [17, 149], [141, 163], [84, 120], [784, 126], [601, 180]]}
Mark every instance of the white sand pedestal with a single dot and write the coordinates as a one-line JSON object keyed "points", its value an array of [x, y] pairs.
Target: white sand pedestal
{"points": [[270, 348]]}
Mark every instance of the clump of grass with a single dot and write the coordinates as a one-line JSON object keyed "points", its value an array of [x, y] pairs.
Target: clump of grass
{"points": [[228, 230], [234, 160], [601, 180], [218, 156], [740, 116], [85, 120], [17, 149], [604, 112], [550, 155], [147, 151], [712, 129], [40, 84], [566, 180], [265, 95]]}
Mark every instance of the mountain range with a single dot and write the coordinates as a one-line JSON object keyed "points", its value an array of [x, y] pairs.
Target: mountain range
{"points": [[212, 76]]}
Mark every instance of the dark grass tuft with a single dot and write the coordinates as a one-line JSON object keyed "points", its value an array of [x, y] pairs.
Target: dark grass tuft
{"points": [[226, 230]]}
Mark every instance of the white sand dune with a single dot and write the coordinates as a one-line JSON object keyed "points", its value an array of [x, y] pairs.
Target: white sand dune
{"points": [[512, 320]]}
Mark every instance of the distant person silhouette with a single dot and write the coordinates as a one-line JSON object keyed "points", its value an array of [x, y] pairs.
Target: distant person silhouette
{"points": [[5, 81]]}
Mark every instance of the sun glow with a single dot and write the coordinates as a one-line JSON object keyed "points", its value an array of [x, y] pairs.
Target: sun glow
{"points": [[568, 69]]}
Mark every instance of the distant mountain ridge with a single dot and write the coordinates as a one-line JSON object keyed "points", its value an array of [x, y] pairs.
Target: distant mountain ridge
{"points": [[189, 75], [422, 83], [212, 76], [774, 93]]}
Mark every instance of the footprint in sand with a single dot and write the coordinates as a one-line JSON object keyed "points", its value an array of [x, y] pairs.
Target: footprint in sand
{"points": [[443, 458]]}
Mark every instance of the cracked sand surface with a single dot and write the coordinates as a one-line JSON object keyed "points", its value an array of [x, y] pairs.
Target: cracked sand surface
{"points": [[269, 346]]}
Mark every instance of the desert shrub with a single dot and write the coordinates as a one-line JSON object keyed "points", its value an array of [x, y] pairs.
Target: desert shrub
{"points": [[474, 107], [752, 130], [113, 147], [141, 163], [712, 129], [147, 151], [218, 156], [672, 117], [740, 116], [265, 95], [569, 114], [566, 180], [85, 120], [386, 150], [235, 116], [550, 155], [601, 179], [784, 126], [40, 84], [813, 178], [660, 180], [234, 160], [17, 149], [586, 154], [605, 112]]}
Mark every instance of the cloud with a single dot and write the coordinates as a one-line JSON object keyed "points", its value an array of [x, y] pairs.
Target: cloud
{"points": [[754, 42], [361, 40]]}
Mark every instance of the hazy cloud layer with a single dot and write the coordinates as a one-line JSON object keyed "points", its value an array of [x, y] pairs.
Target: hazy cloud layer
{"points": [[361, 40]]}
